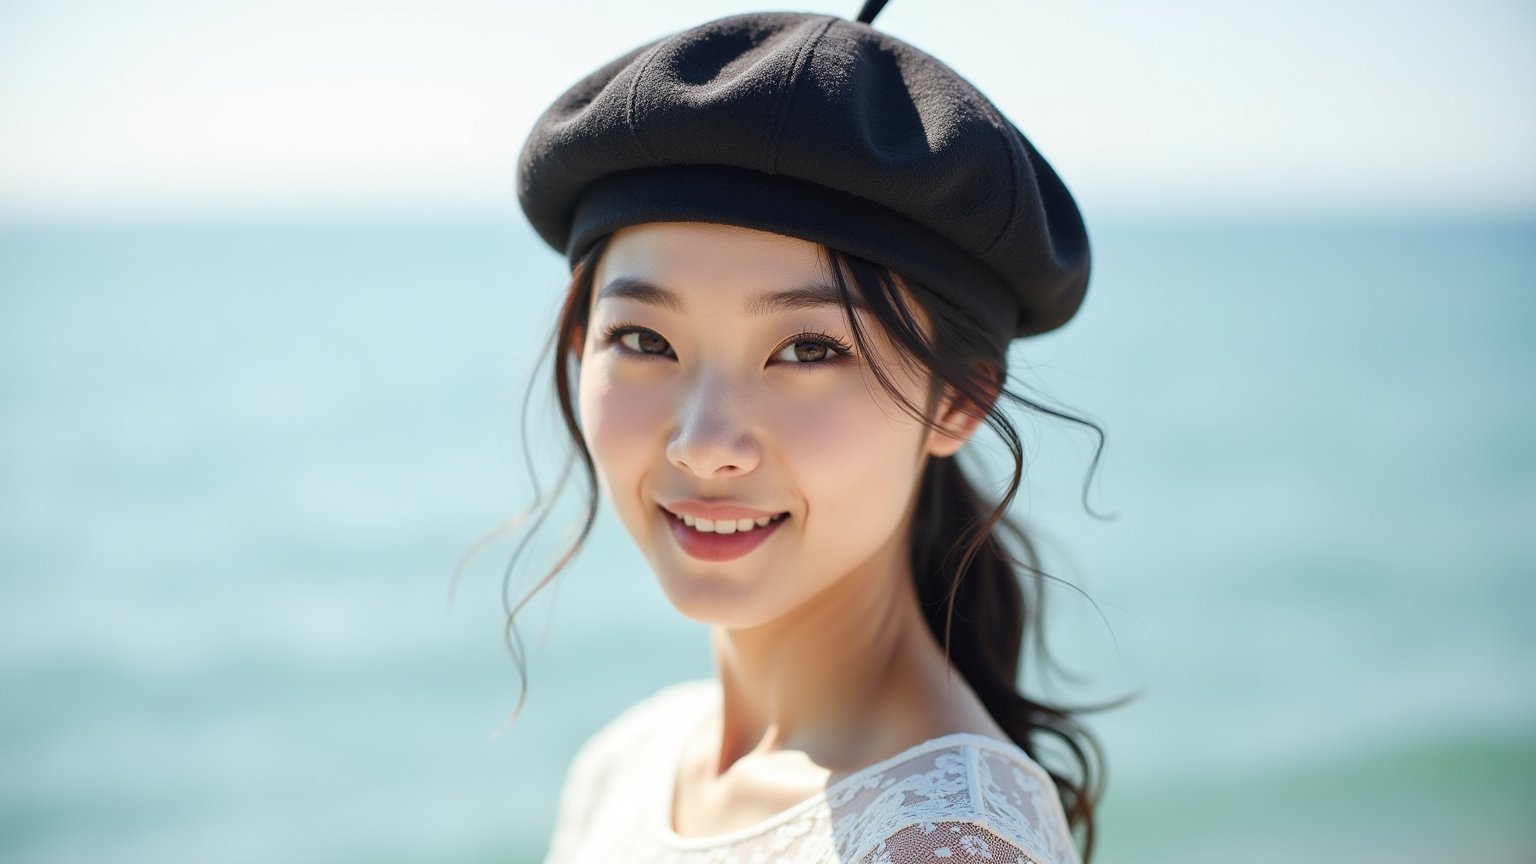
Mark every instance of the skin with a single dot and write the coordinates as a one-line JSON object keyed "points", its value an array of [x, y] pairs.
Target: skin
{"points": [[825, 661]]}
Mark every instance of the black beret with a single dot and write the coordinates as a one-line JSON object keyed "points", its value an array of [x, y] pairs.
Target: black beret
{"points": [[825, 129]]}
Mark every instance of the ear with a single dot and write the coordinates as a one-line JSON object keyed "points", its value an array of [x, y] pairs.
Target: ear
{"points": [[957, 419]]}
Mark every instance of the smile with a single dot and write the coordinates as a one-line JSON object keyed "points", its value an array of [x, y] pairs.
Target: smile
{"points": [[726, 526], [721, 539]]}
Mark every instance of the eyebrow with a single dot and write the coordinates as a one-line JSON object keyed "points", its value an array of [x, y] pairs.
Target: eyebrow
{"points": [[811, 296]]}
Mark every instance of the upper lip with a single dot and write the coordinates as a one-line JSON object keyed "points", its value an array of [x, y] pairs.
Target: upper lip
{"points": [[716, 510]]}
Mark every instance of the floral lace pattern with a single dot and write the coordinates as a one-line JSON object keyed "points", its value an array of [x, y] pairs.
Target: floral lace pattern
{"points": [[947, 841], [957, 798]]}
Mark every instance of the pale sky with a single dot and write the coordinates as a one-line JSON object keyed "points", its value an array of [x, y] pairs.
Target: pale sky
{"points": [[187, 108]]}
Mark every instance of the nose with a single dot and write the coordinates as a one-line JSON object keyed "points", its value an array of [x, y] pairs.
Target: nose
{"points": [[713, 437]]}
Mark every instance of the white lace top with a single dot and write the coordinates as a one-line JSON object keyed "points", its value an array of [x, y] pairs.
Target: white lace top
{"points": [[956, 798]]}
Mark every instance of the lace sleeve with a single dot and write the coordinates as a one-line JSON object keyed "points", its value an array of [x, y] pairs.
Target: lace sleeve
{"points": [[950, 842]]}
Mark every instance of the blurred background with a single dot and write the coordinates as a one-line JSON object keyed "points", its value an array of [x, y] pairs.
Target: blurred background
{"points": [[268, 309]]}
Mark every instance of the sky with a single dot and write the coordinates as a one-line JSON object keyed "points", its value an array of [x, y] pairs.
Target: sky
{"points": [[194, 108]]}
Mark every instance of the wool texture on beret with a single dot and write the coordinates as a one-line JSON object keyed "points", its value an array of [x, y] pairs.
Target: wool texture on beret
{"points": [[825, 129]]}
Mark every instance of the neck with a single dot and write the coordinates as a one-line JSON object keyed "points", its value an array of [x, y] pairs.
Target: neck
{"points": [[842, 677]]}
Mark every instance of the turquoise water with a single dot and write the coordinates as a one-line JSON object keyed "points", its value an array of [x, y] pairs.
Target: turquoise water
{"points": [[241, 461]]}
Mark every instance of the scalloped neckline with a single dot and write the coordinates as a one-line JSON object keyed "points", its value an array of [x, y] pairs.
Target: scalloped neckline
{"points": [[662, 816]]}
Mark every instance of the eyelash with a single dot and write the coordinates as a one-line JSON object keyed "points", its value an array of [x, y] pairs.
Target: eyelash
{"points": [[614, 332], [840, 350]]}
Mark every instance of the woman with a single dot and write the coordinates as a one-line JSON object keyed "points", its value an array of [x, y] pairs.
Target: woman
{"points": [[799, 250]]}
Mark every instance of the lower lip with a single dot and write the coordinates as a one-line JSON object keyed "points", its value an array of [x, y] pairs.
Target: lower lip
{"points": [[709, 546]]}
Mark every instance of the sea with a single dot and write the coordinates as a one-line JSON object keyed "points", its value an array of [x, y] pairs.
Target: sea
{"points": [[261, 481]]}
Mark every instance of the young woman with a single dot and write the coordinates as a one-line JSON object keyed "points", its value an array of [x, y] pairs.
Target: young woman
{"points": [[800, 248]]}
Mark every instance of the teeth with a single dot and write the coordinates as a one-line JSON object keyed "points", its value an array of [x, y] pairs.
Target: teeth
{"points": [[725, 526]]}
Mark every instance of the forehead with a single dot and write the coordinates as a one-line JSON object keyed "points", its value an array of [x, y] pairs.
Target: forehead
{"points": [[687, 255]]}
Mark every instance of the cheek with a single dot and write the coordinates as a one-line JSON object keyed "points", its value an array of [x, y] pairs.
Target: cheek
{"points": [[848, 447], [618, 423]]}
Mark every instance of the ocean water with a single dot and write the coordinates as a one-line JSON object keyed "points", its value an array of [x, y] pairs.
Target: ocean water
{"points": [[240, 463]]}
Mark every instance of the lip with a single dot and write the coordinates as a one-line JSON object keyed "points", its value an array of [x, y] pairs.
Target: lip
{"points": [[702, 546]]}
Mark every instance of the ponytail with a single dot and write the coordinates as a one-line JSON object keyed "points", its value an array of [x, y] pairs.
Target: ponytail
{"points": [[989, 600]]}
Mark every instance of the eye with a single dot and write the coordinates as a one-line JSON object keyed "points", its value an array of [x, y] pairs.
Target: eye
{"points": [[645, 342], [812, 349], [638, 340]]}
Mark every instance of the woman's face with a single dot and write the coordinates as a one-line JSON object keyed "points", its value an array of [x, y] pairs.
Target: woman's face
{"points": [[739, 435]]}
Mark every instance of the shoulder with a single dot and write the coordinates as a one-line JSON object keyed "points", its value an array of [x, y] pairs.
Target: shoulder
{"points": [[605, 767], [642, 723], [964, 797]]}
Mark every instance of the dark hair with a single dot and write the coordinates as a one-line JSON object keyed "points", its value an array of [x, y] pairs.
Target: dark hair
{"points": [[967, 554]]}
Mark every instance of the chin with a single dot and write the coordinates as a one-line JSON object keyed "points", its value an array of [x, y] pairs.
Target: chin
{"points": [[714, 600]]}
